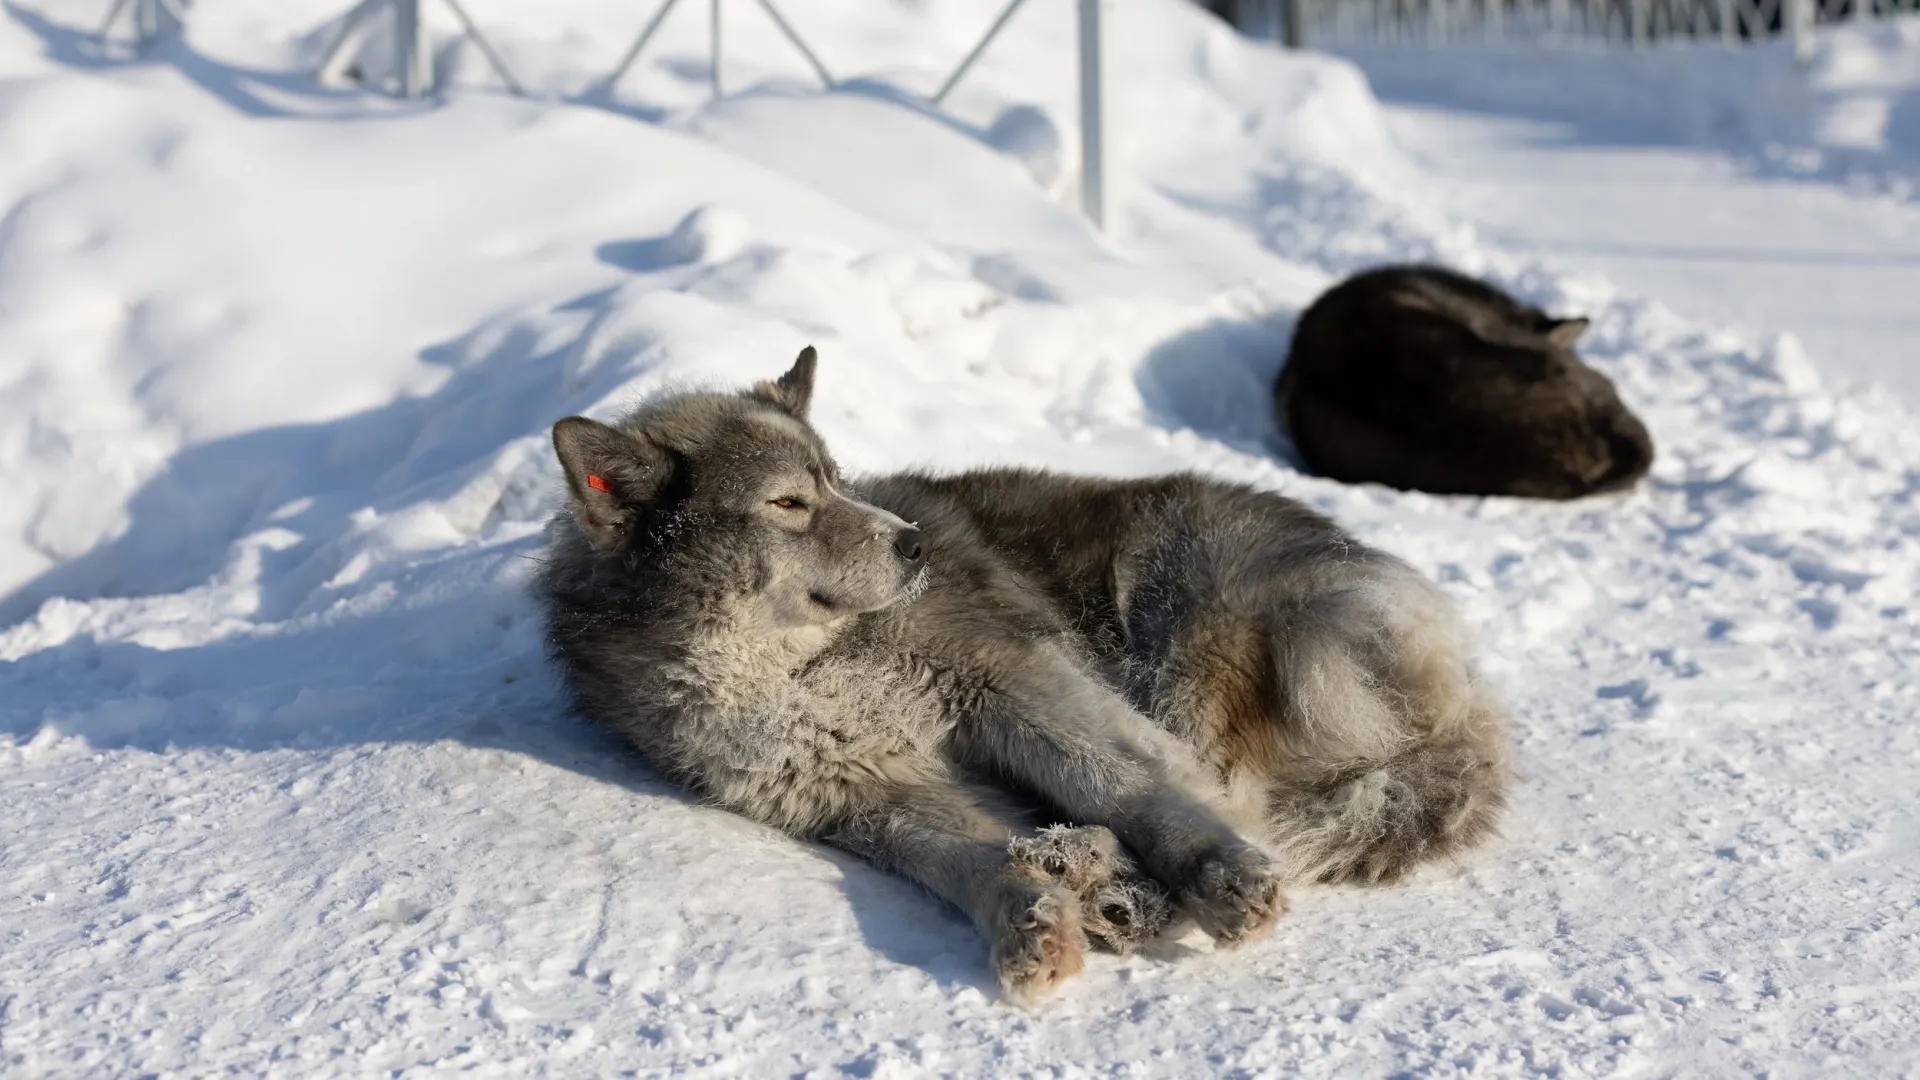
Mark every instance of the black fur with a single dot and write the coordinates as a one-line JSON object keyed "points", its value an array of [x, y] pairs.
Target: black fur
{"points": [[1424, 379]]}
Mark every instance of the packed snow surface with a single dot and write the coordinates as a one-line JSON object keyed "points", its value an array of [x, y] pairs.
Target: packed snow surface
{"points": [[1728, 183], [289, 787]]}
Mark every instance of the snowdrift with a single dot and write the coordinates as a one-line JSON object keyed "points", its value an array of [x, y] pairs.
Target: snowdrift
{"points": [[287, 778], [1851, 116]]}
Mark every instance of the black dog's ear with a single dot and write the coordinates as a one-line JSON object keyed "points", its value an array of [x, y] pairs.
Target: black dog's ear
{"points": [[1562, 333], [793, 391], [611, 476]]}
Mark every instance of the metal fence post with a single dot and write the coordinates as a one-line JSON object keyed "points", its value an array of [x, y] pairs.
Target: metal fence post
{"points": [[1093, 145], [147, 18], [714, 31], [1799, 16], [410, 48]]}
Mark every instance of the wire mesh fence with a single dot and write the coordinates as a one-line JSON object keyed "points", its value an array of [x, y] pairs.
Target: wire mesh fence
{"points": [[1439, 22]]}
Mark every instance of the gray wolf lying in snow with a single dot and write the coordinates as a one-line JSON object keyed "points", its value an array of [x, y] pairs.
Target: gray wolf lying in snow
{"points": [[1074, 708], [1424, 379]]}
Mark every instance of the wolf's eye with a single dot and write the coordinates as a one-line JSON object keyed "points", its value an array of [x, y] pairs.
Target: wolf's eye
{"points": [[790, 504]]}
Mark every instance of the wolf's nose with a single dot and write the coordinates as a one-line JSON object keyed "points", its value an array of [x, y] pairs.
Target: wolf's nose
{"points": [[911, 544]]}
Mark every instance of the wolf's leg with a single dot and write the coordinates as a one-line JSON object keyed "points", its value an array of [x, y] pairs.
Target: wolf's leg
{"points": [[954, 841], [1120, 908], [1080, 747]]}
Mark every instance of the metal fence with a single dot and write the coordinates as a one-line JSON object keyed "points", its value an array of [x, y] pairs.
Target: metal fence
{"points": [[400, 20], [1628, 22], [1090, 46]]}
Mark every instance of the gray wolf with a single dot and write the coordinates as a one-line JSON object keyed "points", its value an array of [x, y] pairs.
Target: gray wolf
{"points": [[1424, 379], [1076, 709]]}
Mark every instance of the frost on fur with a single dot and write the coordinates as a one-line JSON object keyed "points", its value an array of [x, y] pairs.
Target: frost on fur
{"points": [[1119, 908]]}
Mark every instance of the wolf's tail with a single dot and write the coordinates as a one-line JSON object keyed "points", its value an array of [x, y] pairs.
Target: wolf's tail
{"points": [[1398, 755], [1375, 822]]}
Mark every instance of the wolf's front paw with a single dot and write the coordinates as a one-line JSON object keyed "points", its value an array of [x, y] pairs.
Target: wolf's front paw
{"points": [[1080, 857], [1040, 943], [1234, 895], [1120, 908]]}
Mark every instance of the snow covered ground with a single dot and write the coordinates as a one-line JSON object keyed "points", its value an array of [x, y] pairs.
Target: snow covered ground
{"points": [[1725, 182], [288, 787]]}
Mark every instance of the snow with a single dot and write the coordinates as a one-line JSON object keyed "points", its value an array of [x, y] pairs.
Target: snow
{"points": [[1725, 182], [289, 786]]}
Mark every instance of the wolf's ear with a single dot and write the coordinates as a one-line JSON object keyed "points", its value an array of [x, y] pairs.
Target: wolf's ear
{"points": [[611, 476], [793, 391], [1562, 333]]}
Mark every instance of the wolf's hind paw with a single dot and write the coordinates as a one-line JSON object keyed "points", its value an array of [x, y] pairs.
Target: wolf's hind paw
{"points": [[1040, 943], [1120, 908]]}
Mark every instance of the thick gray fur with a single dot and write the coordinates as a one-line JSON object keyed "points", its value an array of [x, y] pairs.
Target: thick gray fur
{"points": [[1216, 686]]}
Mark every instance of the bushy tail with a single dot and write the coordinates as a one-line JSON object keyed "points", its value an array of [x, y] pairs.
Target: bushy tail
{"points": [[1397, 754], [1373, 824]]}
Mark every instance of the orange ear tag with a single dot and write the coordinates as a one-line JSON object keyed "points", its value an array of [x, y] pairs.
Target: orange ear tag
{"points": [[598, 483]]}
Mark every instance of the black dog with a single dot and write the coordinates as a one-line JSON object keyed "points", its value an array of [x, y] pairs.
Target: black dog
{"points": [[1424, 379]]}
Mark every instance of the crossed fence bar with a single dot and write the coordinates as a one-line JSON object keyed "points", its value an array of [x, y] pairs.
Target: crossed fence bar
{"points": [[410, 45], [151, 18], [155, 18], [1092, 38]]}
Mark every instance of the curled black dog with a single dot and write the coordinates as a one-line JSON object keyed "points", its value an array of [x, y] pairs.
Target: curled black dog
{"points": [[1074, 708], [1424, 379]]}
